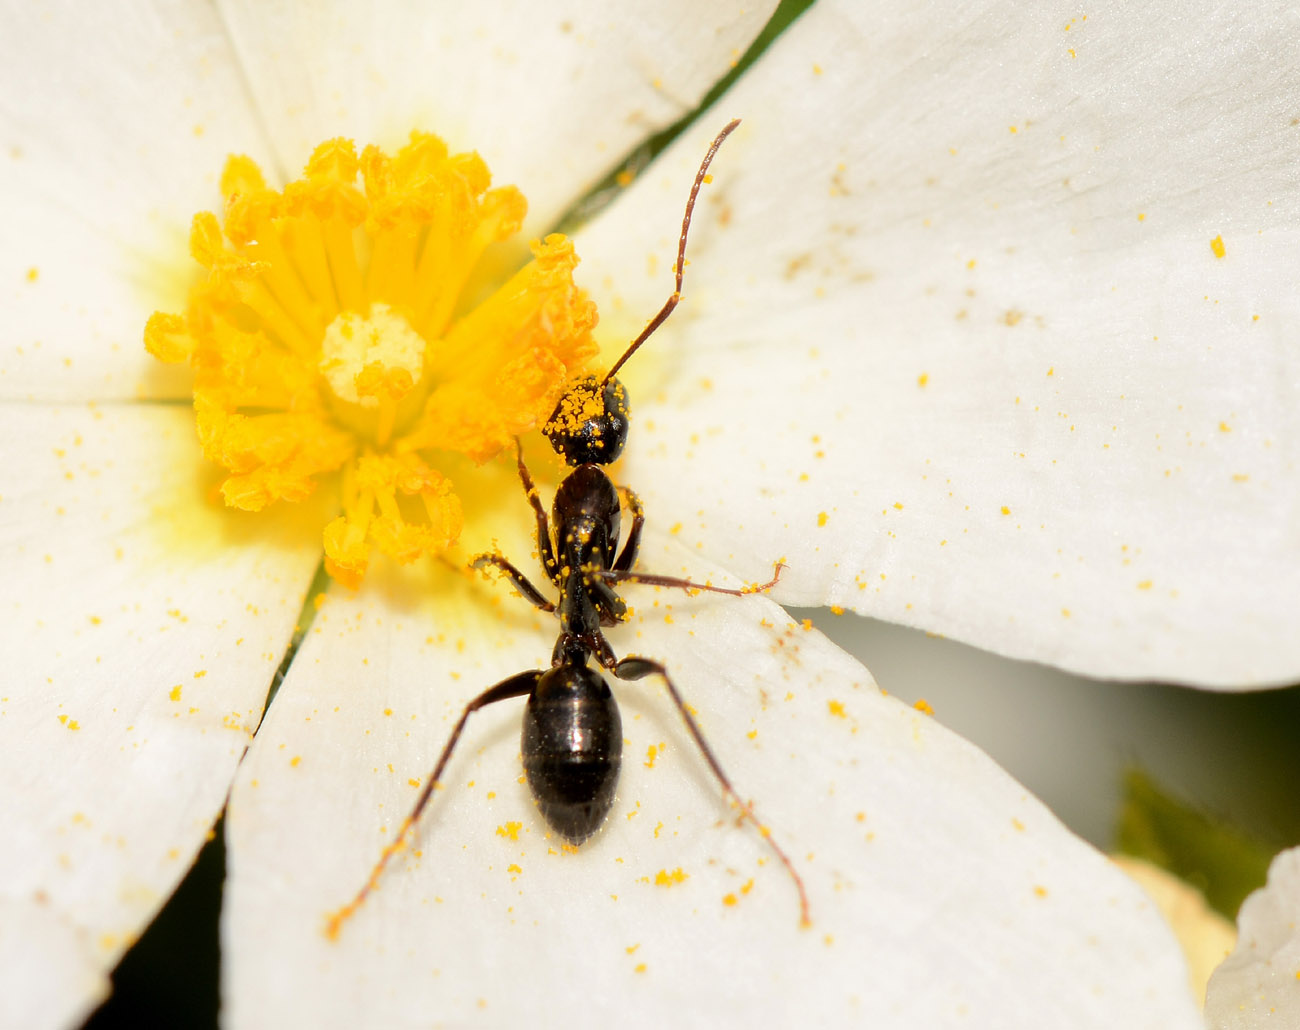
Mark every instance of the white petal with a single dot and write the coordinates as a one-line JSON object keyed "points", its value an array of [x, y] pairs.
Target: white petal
{"points": [[140, 631], [552, 95], [60, 977], [118, 124], [941, 893], [1258, 986], [996, 384]]}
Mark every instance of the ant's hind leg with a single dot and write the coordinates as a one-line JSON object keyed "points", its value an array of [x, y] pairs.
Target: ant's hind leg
{"points": [[515, 686], [639, 668], [521, 582], [618, 575]]}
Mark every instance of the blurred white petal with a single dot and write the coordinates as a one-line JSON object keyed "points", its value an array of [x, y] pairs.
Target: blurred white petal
{"points": [[1258, 985]]}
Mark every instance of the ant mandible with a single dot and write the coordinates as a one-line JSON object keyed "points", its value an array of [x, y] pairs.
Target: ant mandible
{"points": [[572, 739]]}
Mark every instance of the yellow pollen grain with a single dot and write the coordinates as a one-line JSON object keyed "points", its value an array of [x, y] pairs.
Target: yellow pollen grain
{"points": [[175, 693], [1006, 510], [1224, 427], [664, 878], [836, 708], [295, 761], [923, 379], [1144, 584], [922, 705], [510, 830], [822, 518], [33, 274], [1216, 246]]}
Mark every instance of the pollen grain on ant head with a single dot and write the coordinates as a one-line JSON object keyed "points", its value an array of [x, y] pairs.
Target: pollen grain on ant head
{"points": [[327, 335]]}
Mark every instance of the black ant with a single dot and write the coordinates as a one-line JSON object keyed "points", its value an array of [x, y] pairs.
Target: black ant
{"points": [[572, 740]]}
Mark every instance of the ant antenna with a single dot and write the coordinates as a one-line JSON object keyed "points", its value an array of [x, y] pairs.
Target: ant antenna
{"points": [[671, 303]]}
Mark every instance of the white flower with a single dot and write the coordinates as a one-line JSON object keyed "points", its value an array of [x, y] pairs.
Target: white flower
{"points": [[984, 333]]}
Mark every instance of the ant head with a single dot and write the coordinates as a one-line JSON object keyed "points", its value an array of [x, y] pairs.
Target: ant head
{"points": [[589, 425]]}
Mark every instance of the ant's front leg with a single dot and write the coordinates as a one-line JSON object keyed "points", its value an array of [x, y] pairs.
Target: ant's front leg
{"points": [[545, 549], [521, 582], [627, 558]]}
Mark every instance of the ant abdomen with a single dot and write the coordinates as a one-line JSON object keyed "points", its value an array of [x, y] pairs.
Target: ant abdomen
{"points": [[572, 746]]}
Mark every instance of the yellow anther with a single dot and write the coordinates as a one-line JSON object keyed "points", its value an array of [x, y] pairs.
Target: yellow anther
{"points": [[167, 339]]}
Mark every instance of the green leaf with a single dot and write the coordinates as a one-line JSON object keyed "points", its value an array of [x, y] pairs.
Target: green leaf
{"points": [[1220, 860]]}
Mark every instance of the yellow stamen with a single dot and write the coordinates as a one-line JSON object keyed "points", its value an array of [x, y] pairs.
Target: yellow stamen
{"points": [[327, 337]]}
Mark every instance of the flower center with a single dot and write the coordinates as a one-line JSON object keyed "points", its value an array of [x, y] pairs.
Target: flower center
{"points": [[327, 337], [373, 364]]}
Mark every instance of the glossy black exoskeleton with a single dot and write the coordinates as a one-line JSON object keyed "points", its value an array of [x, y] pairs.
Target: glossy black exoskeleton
{"points": [[572, 736]]}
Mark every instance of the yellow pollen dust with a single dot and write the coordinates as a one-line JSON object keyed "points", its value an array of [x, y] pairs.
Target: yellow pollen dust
{"points": [[328, 336]]}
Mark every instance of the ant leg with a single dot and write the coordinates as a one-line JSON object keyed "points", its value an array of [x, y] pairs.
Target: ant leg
{"points": [[515, 686], [521, 582], [627, 558], [545, 549], [616, 575], [638, 668]]}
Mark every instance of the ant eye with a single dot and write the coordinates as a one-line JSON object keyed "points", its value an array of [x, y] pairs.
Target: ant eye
{"points": [[589, 425]]}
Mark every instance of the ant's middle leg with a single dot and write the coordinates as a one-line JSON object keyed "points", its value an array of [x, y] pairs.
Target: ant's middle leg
{"points": [[621, 575], [515, 686], [634, 668]]}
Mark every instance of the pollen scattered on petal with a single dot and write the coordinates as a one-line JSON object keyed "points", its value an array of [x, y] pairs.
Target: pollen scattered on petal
{"points": [[328, 337]]}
